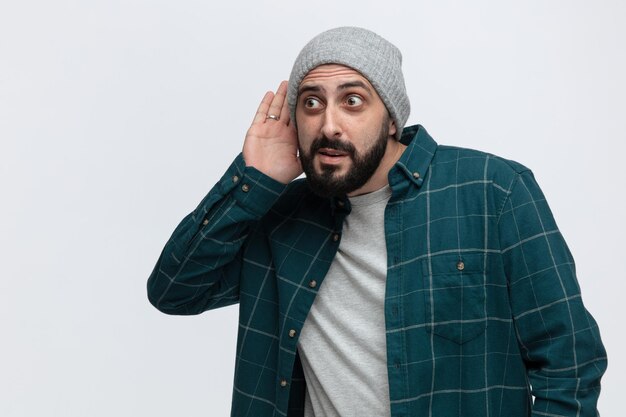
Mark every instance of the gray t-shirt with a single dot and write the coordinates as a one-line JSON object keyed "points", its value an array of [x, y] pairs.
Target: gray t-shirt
{"points": [[343, 344]]}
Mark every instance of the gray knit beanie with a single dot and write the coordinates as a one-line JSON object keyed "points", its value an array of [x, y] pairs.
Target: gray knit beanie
{"points": [[377, 59]]}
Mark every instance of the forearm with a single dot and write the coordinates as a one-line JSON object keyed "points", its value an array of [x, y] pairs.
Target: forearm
{"points": [[199, 268]]}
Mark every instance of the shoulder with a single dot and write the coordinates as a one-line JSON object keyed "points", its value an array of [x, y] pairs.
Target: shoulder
{"points": [[446, 154], [472, 164]]}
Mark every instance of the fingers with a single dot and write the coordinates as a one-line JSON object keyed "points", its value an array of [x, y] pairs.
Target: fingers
{"points": [[273, 104], [278, 100], [261, 112], [285, 114]]}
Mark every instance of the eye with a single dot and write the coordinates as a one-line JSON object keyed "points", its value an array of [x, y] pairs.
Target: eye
{"points": [[312, 103], [354, 101]]}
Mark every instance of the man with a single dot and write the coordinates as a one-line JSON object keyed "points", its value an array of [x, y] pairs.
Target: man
{"points": [[400, 278]]}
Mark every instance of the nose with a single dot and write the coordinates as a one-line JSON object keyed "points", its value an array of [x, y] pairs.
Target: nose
{"points": [[331, 126]]}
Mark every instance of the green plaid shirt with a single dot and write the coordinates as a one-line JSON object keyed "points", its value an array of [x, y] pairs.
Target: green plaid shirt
{"points": [[482, 307]]}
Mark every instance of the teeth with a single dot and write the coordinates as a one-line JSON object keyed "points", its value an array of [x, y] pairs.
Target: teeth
{"points": [[331, 153]]}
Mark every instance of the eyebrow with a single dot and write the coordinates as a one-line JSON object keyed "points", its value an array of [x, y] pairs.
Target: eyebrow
{"points": [[351, 84], [313, 88]]}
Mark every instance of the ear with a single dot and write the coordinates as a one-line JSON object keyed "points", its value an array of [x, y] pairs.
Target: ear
{"points": [[392, 127]]}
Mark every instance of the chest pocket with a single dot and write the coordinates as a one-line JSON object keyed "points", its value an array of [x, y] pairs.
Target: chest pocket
{"points": [[455, 296]]}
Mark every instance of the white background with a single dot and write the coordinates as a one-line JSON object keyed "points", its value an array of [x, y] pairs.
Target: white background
{"points": [[117, 117]]}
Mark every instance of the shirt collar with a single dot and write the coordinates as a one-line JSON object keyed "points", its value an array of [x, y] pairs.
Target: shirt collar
{"points": [[412, 165], [416, 158]]}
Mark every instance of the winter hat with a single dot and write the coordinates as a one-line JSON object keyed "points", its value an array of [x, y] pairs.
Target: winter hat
{"points": [[364, 51]]}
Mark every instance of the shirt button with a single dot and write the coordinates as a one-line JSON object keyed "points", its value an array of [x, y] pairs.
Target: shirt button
{"points": [[205, 222], [235, 179], [335, 237], [292, 333], [245, 188], [283, 382], [460, 265], [416, 175], [312, 283]]}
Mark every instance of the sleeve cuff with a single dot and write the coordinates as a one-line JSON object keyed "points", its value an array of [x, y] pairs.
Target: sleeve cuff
{"points": [[253, 191]]}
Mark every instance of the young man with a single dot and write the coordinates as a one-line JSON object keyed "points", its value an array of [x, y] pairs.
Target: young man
{"points": [[400, 278]]}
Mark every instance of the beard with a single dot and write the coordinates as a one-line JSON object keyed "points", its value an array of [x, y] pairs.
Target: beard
{"points": [[328, 183]]}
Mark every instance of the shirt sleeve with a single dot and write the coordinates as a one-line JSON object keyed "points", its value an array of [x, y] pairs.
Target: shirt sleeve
{"points": [[558, 338], [199, 267]]}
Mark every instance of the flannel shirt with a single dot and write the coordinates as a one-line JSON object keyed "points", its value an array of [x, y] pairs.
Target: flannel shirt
{"points": [[483, 311]]}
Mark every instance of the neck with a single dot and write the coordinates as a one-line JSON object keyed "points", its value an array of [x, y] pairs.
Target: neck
{"points": [[379, 179]]}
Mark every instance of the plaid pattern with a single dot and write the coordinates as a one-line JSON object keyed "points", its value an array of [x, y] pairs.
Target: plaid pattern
{"points": [[482, 308]]}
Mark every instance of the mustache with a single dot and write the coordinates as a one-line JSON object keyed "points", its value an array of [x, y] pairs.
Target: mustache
{"points": [[336, 144]]}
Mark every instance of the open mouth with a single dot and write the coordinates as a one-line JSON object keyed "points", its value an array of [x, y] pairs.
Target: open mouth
{"points": [[329, 155]]}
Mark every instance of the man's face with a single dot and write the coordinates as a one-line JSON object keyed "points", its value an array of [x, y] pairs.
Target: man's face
{"points": [[343, 129]]}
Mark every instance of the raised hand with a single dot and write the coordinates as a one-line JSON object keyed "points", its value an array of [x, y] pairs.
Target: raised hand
{"points": [[271, 143]]}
